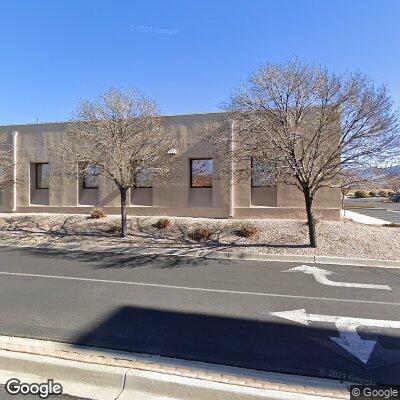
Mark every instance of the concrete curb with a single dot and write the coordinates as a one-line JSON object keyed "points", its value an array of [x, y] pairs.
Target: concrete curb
{"points": [[212, 254], [101, 374], [98, 382]]}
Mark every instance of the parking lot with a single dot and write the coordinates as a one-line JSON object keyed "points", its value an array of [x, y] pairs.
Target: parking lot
{"points": [[377, 207]]}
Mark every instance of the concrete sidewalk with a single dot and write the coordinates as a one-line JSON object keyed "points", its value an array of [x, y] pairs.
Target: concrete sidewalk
{"points": [[389, 216], [96, 374], [358, 216]]}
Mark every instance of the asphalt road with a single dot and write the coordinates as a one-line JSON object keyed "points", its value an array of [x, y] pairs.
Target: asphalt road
{"points": [[209, 310]]}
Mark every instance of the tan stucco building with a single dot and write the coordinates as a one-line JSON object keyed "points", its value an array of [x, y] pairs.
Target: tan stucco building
{"points": [[42, 191]]}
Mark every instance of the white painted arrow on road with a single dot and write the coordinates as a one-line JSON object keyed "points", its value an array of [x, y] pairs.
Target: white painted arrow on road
{"points": [[347, 327], [321, 276], [302, 317], [351, 341]]}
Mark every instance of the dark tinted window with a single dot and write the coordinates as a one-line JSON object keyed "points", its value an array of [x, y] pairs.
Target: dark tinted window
{"points": [[144, 178], [91, 177], [262, 173], [201, 171], [42, 176]]}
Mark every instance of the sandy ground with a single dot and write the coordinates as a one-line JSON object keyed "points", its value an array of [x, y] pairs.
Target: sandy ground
{"points": [[335, 238]]}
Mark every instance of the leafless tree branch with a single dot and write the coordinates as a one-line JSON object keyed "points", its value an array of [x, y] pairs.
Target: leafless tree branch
{"points": [[123, 134], [313, 125]]}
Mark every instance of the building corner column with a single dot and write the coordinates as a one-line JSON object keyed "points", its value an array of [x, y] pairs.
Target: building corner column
{"points": [[15, 159], [231, 199]]}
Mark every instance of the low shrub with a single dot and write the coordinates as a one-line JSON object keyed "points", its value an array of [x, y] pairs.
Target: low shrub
{"points": [[382, 193], [360, 194], [372, 194], [114, 227], [97, 213], [201, 234], [247, 230], [162, 223]]}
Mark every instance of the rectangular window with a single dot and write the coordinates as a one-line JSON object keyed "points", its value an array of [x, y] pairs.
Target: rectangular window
{"points": [[201, 171], [91, 176], [262, 173], [144, 178], [42, 176]]}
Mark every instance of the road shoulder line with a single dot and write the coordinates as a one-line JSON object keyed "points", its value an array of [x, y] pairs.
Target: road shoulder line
{"points": [[194, 288]]}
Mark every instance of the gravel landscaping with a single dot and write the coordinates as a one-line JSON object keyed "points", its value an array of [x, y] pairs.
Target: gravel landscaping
{"points": [[336, 238]]}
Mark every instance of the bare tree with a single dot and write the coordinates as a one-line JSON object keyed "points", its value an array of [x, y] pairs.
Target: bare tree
{"points": [[347, 182], [310, 125], [391, 178], [120, 137], [393, 183], [352, 179], [6, 162]]}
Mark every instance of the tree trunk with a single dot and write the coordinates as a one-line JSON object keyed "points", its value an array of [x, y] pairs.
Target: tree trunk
{"points": [[310, 217], [124, 227]]}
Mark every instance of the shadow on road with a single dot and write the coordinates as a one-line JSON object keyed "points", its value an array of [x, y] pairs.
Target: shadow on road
{"points": [[118, 259], [262, 345]]}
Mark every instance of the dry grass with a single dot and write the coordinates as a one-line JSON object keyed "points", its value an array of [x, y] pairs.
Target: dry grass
{"points": [[201, 234], [162, 223], [247, 230], [97, 213], [336, 238], [392, 225]]}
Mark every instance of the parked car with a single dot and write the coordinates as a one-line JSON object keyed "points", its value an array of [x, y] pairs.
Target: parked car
{"points": [[395, 197]]}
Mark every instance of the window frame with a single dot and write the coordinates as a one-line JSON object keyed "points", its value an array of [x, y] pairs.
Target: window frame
{"points": [[37, 176], [84, 179], [191, 172], [252, 159]]}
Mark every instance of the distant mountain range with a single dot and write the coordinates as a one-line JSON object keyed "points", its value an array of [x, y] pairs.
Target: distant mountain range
{"points": [[384, 171], [393, 170]]}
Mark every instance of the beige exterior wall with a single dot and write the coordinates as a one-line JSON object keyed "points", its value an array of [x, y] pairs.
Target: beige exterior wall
{"points": [[36, 144]]}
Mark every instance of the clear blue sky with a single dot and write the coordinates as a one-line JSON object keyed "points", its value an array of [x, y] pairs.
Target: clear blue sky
{"points": [[186, 55]]}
